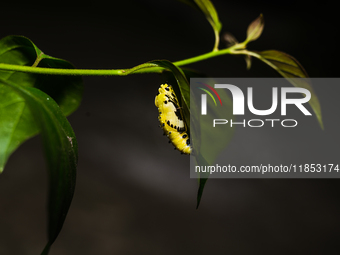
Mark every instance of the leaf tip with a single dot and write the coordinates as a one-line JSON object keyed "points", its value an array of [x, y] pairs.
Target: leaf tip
{"points": [[198, 202], [319, 120], [202, 182], [46, 249]]}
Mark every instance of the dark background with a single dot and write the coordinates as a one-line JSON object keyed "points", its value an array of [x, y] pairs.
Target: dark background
{"points": [[133, 193]]}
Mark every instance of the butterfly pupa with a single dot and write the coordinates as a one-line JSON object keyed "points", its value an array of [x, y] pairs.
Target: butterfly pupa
{"points": [[171, 118]]}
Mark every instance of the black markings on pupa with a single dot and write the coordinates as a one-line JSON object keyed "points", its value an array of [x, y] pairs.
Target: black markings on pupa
{"points": [[176, 133]]}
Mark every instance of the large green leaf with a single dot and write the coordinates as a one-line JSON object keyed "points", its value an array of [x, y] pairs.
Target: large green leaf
{"points": [[16, 121], [184, 89], [61, 151], [201, 137]]}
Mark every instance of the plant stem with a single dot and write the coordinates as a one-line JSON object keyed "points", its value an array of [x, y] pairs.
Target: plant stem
{"points": [[217, 40], [144, 68]]}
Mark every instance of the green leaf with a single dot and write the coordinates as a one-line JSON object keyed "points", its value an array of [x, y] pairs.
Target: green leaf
{"points": [[255, 29], [289, 68], [201, 138], [205, 153], [61, 151], [285, 64], [210, 13], [16, 121], [184, 88]]}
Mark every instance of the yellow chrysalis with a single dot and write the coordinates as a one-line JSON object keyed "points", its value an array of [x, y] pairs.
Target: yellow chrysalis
{"points": [[171, 118]]}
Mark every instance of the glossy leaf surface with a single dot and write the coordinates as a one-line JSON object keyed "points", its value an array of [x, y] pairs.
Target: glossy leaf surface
{"points": [[61, 152], [16, 121]]}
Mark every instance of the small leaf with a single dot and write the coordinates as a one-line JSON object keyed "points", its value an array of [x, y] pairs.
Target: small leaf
{"points": [[16, 121], [255, 29], [211, 15], [290, 68], [247, 58], [229, 39], [208, 9], [61, 151]]}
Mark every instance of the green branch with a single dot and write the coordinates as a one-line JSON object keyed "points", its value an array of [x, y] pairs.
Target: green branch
{"points": [[143, 68]]}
